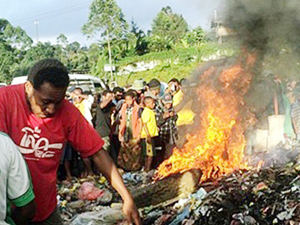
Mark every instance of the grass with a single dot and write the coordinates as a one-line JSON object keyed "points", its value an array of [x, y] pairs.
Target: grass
{"points": [[177, 63]]}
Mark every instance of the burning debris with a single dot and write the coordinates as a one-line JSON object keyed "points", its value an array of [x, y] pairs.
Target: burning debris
{"points": [[245, 194], [217, 148], [258, 196], [226, 90], [222, 185], [266, 196]]}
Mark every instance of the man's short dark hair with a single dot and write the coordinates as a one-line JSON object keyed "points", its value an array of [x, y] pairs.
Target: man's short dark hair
{"points": [[51, 71], [118, 89], [105, 92], [147, 99], [175, 80], [79, 89], [154, 83], [184, 82], [130, 93]]}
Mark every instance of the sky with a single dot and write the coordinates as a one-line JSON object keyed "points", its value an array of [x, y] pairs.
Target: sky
{"points": [[45, 20]]}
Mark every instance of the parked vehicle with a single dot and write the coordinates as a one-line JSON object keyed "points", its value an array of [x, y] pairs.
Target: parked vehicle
{"points": [[87, 82], [3, 84]]}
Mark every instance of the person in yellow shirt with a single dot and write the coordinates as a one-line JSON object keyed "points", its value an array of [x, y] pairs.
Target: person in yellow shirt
{"points": [[175, 90], [184, 106], [177, 97], [83, 103], [149, 131]]}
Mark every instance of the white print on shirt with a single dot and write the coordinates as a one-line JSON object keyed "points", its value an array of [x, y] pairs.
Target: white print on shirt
{"points": [[31, 142]]}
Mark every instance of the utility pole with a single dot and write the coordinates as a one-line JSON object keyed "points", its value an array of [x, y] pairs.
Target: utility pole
{"points": [[36, 23], [109, 54], [215, 15]]}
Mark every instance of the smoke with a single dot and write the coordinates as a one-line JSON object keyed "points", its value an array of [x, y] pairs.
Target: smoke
{"points": [[227, 93], [271, 28], [268, 29]]}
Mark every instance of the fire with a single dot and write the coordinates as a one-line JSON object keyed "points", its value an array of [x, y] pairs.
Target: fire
{"points": [[217, 148]]}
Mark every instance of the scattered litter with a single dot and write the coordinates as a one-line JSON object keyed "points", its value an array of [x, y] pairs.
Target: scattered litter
{"points": [[266, 196]]}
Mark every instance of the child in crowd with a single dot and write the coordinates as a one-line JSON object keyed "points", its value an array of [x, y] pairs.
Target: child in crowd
{"points": [[130, 134], [168, 128], [149, 131]]}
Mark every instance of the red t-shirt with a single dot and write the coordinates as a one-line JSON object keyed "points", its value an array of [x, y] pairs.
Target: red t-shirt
{"points": [[41, 141]]}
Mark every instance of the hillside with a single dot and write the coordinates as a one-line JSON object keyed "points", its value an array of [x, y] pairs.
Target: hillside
{"points": [[179, 63]]}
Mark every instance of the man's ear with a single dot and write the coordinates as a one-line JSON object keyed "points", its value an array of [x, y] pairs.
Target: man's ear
{"points": [[29, 89]]}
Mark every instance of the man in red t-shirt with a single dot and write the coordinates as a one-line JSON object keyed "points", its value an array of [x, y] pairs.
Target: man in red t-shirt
{"points": [[40, 122]]}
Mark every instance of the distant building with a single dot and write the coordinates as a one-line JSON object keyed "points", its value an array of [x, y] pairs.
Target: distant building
{"points": [[221, 29]]}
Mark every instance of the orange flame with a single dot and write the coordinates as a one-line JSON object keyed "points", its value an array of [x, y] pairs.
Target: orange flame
{"points": [[217, 148]]}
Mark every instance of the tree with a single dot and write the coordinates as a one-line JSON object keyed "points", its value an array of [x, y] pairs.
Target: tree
{"points": [[14, 36], [73, 47], [159, 43], [62, 40], [93, 56], [14, 42], [61, 48], [169, 25], [141, 44], [38, 52], [107, 19], [6, 60], [194, 37], [17, 37]]}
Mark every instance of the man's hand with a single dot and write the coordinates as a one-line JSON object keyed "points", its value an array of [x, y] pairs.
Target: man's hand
{"points": [[122, 143], [148, 140], [131, 213], [121, 137], [107, 167], [138, 139], [166, 115]]}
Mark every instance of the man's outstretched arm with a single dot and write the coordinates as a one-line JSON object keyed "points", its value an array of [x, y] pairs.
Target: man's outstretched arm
{"points": [[107, 167]]}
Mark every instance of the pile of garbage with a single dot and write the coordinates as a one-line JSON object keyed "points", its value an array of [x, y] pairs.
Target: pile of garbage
{"points": [[265, 196], [82, 195], [92, 200], [268, 195]]}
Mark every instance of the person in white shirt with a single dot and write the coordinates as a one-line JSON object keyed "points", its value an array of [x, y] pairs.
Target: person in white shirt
{"points": [[15, 185]]}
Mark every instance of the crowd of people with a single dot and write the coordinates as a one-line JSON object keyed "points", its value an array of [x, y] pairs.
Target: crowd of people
{"points": [[40, 121], [277, 114], [46, 125], [139, 123], [43, 122]]}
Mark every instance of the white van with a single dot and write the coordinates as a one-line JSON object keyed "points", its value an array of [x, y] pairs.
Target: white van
{"points": [[86, 81], [3, 85]]}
